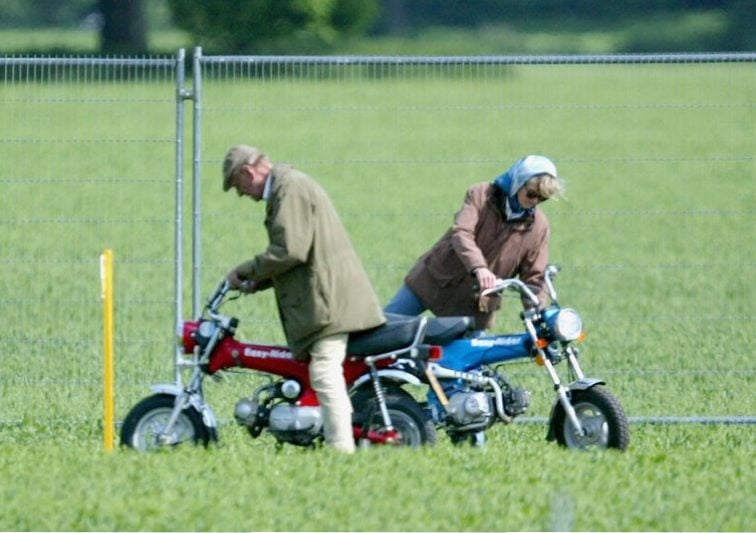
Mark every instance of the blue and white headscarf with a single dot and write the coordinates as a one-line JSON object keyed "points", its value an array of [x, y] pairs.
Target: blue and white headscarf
{"points": [[516, 177]]}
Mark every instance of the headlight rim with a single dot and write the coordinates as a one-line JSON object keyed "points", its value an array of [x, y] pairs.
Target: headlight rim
{"points": [[566, 325]]}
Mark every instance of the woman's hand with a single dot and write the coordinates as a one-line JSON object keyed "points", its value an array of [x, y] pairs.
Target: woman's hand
{"points": [[486, 278]]}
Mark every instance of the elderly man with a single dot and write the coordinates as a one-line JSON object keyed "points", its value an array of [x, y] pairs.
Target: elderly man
{"points": [[321, 287]]}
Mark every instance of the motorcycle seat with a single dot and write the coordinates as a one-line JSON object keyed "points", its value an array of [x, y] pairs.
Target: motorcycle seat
{"points": [[398, 332], [442, 330]]}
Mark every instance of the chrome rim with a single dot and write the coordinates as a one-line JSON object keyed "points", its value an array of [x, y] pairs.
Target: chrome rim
{"points": [[595, 428], [148, 434]]}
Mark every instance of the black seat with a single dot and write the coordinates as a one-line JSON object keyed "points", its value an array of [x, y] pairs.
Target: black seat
{"points": [[442, 330], [398, 332]]}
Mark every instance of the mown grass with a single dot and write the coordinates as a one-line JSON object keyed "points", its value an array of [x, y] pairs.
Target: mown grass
{"points": [[673, 479], [653, 238]]}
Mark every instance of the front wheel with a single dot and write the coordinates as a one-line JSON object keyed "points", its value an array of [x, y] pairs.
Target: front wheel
{"points": [[144, 426], [411, 426], [601, 416]]}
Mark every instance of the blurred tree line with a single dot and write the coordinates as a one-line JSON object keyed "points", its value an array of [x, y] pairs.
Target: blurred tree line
{"points": [[417, 13], [280, 26]]}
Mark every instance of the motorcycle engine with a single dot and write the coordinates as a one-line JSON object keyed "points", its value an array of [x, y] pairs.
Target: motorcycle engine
{"points": [[296, 425], [516, 401], [466, 408], [287, 422]]}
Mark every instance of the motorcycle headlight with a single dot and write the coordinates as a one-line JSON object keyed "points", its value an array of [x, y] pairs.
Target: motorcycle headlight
{"points": [[204, 332], [565, 324]]}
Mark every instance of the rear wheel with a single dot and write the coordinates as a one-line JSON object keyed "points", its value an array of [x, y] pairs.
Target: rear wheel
{"points": [[410, 423], [601, 416], [144, 426]]}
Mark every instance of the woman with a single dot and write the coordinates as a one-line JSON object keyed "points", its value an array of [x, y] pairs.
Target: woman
{"points": [[498, 233]]}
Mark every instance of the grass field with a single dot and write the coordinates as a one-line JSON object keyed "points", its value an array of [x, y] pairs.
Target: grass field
{"points": [[654, 238], [674, 479]]}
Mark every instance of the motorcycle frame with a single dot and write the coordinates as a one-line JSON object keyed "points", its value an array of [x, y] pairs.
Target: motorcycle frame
{"points": [[228, 352], [438, 371], [542, 358]]}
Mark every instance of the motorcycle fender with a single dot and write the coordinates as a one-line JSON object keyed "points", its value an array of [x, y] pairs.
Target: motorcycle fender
{"points": [[166, 388], [390, 374], [208, 417], [586, 383], [580, 384]]}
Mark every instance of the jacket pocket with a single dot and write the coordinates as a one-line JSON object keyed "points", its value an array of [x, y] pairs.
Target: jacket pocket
{"points": [[445, 269], [303, 304]]}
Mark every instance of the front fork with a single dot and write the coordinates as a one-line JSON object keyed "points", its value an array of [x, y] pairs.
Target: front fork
{"points": [[561, 390], [185, 397], [564, 398]]}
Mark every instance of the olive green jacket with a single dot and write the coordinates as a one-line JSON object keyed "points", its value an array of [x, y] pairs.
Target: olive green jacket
{"points": [[320, 284]]}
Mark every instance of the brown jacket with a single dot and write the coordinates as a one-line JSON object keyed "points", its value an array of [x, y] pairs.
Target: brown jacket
{"points": [[480, 237], [321, 287]]}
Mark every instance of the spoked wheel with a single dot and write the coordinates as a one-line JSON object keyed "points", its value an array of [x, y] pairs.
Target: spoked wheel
{"points": [[411, 426], [144, 425], [602, 417]]}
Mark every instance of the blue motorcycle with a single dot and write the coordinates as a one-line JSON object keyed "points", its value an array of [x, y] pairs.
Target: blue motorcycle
{"points": [[469, 392]]}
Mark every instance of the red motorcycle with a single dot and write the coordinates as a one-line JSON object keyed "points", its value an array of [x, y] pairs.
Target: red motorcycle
{"points": [[287, 407]]}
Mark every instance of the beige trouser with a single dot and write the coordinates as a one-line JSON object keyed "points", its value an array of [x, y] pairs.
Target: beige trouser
{"points": [[327, 378]]}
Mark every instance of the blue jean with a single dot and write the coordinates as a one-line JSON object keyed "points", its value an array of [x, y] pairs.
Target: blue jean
{"points": [[405, 302]]}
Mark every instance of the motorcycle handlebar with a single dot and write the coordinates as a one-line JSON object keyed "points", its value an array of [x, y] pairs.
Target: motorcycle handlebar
{"points": [[551, 273], [216, 297], [517, 285], [514, 284]]}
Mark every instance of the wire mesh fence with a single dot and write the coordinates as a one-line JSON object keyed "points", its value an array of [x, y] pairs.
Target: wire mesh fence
{"points": [[654, 236], [86, 163], [657, 152]]}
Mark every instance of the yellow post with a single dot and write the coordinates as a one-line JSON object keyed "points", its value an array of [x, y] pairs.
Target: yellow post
{"points": [[106, 277]]}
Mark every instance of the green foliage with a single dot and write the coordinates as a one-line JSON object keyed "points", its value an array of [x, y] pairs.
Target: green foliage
{"points": [[354, 17], [694, 32], [44, 13], [690, 31], [249, 26], [412, 15], [742, 20], [417, 27]]}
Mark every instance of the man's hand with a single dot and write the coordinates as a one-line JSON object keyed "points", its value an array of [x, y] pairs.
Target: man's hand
{"points": [[234, 280], [244, 285], [248, 286]]}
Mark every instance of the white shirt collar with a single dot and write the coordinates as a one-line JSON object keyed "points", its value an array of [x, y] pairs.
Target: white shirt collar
{"points": [[266, 189]]}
